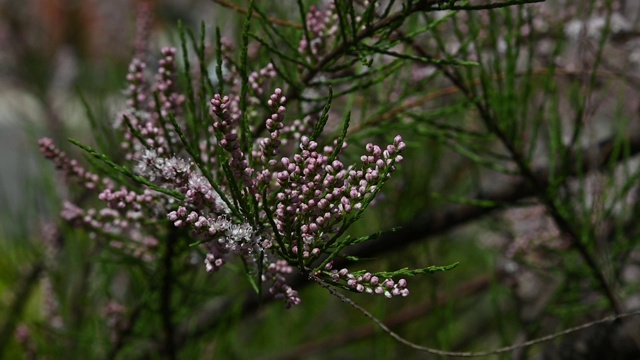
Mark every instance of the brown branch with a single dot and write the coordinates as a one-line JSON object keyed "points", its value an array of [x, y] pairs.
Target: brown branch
{"points": [[244, 11], [453, 89]]}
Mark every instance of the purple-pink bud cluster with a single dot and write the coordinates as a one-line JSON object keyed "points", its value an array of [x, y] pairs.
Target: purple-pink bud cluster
{"points": [[372, 284], [225, 122], [166, 83], [69, 167], [280, 290]]}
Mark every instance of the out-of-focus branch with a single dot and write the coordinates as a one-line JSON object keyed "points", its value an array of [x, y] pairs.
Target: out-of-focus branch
{"points": [[124, 332], [244, 11], [165, 298], [397, 111], [540, 185], [20, 300], [400, 318]]}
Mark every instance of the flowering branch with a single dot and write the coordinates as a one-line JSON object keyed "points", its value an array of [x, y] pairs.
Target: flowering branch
{"points": [[286, 202]]}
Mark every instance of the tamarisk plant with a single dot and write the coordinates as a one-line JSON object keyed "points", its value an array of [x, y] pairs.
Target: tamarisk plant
{"points": [[278, 201], [239, 160]]}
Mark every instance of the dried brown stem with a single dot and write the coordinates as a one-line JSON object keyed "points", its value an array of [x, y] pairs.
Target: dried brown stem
{"points": [[244, 11]]}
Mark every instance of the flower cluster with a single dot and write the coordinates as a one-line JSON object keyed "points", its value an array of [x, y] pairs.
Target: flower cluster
{"points": [[322, 26], [280, 202], [71, 168], [315, 194], [143, 123], [276, 273], [121, 217], [371, 283]]}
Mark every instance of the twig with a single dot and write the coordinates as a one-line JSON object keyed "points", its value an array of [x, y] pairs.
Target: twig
{"points": [[490, 6], [449, 90], [433, 351], [344, 47], [402, 317], [244, 11]]}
